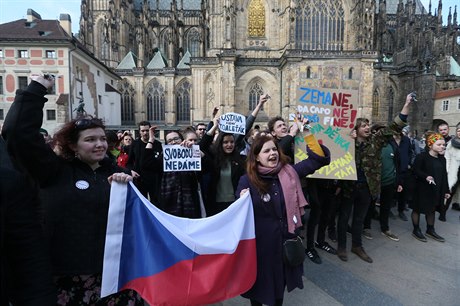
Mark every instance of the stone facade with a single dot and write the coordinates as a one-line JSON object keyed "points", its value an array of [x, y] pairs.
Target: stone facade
{"points": [[240, 49]]}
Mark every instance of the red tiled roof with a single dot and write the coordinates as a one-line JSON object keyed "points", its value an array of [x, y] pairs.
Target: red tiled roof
{"points": [[37, 30], [62, 99], [447, 93]]}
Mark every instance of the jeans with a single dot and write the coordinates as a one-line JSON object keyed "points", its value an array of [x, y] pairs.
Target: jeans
{"points": [[386, 202], [311, 193], [328, 202], [359, 203], [387, 194]]}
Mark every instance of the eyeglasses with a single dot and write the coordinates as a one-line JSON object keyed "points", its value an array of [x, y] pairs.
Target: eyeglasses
{"points": [[86, 123], [174, 139], [201, 129]]}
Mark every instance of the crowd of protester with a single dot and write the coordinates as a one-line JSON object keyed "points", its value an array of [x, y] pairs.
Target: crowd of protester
{"points": [[69, 177]]}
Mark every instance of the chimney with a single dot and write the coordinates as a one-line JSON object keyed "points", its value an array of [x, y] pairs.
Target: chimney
{"points": [[32, 15], [66, 23]]}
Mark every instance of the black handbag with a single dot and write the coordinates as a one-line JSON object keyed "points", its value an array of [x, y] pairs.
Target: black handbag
{"points": [[293, 251]]}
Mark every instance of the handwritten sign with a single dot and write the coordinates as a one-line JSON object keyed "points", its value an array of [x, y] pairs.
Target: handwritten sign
{"points": [[180, 158], [332, 114], [232, 123]]}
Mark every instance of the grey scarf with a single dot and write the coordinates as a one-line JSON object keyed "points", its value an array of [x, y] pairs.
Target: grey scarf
{"points": [[455, 142]]}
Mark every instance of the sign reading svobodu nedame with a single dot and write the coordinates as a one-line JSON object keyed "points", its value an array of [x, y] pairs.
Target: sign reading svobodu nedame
{"points": [[180, 158], [232, 123]]}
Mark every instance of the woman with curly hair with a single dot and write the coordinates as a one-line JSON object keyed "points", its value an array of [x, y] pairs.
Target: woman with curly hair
{"points": [[74, 190]]}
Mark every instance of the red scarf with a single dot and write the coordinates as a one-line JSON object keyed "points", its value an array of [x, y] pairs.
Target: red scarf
{"points": [[292, 190]]}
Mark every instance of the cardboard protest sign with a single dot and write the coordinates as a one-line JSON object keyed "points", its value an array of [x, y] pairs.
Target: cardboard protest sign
{"points": [[332, 114], [180, 158], [232, 123]]}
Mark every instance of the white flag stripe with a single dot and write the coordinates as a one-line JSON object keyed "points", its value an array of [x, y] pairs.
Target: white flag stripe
{"points": [[113, 240], [218, 234]]}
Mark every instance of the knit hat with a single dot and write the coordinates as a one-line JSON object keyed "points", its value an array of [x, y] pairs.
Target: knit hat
{"points": [[432, 138]]}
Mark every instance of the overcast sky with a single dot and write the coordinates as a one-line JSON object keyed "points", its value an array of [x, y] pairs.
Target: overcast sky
{"points": [[11, 10]]}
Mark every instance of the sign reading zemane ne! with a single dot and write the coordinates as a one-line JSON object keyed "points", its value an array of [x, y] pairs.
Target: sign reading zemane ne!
{"points": [[180, 158], [332, 114], [232, 123]]}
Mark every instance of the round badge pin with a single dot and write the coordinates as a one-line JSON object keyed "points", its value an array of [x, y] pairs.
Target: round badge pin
{"points": [[82, 185], [266, 198]]}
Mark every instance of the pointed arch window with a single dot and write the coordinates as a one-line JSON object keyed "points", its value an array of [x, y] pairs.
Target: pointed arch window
{"points": [[193, 42], [127, 103], [350, 73], [155, 102], [183, 102], [319, 25], [255, 92], [256, 19], [375, 104], [308, 73]]}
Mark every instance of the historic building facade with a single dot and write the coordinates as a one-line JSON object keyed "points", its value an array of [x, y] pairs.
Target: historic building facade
{"points": [[180, 58], [84, 85]]}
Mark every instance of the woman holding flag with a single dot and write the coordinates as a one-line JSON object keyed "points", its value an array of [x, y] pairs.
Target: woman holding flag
{"points": [[74, 193], [278, 204]]}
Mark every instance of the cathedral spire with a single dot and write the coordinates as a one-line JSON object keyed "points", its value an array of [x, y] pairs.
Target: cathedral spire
{"points": [[449, 17], [455, 16], [400, 7], [429, 8], [440, 12]]}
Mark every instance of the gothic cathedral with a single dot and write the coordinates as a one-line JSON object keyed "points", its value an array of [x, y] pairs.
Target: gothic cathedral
{"points": [[180, 58]]}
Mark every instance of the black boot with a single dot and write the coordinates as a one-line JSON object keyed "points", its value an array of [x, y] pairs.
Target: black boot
{"points": [[432, 234], [442, 216], [417, 233]]}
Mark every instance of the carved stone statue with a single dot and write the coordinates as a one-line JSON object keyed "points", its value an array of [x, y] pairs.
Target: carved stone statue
{"points": [[80, 110]]}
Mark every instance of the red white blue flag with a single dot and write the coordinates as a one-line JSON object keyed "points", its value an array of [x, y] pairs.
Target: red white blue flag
{"points": [[177, 261]]}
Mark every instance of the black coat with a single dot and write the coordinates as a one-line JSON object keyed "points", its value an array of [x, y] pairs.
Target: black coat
{"points": [[149, 181], [212, 172], [429, 197], [271, 230], [75, 198], [25, 269]]}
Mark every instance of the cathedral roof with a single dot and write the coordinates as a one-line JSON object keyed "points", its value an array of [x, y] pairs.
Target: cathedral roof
{"points": [[157, 62], [128, 62], [454, 67], [185, 61], [392, 6], [165, 5]]}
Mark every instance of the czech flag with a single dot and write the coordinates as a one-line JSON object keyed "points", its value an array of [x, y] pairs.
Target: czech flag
{"points": [[177, 261]]}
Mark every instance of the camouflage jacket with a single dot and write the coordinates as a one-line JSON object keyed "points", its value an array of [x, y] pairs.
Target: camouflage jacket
{"points": [[368, 157]]}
